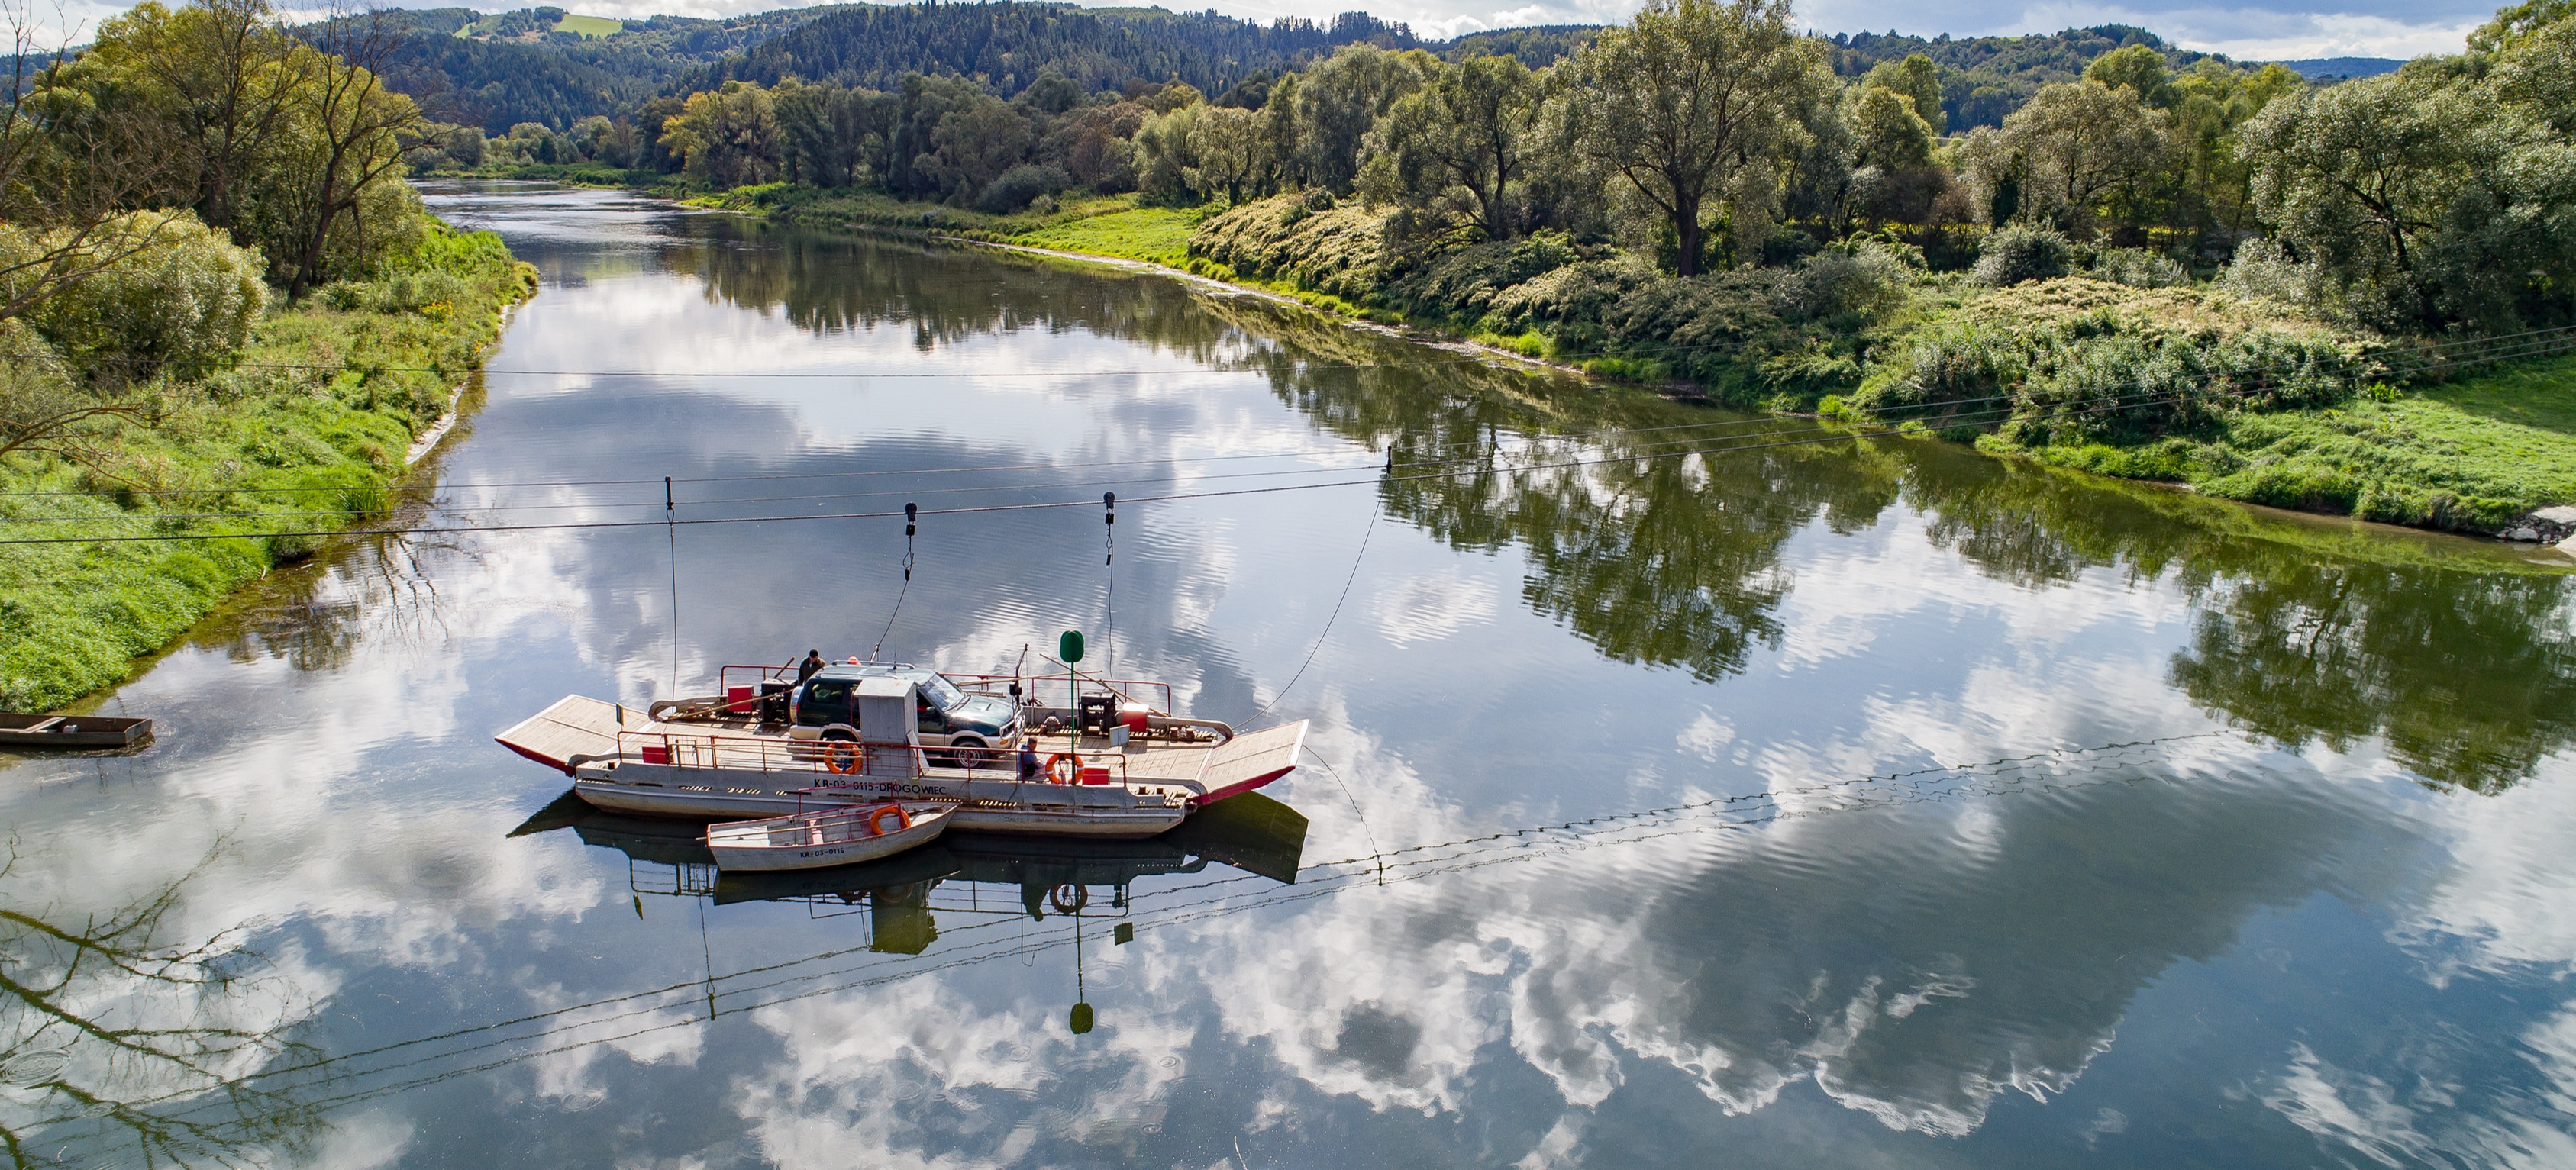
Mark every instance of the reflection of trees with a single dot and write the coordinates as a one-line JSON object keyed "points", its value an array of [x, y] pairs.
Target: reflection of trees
{"points": [[316, 615], [2304, 632], [2471, 679], [1666, 561], [105, 1018], [1672, 561], [832, 284]]}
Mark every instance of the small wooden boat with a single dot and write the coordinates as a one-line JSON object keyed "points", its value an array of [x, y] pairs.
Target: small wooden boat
{"points": [[841, 835], [71, 731]]}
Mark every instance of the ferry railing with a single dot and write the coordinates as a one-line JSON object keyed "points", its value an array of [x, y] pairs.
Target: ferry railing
{"points": [[840, 757], [738, 687], [1035, 688]]}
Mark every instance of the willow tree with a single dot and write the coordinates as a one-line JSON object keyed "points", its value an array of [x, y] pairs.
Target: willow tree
{"points": [[292, 144], [728, 136], [1465, 141], [2442, 194], [2077, 154], [1698, 102]]}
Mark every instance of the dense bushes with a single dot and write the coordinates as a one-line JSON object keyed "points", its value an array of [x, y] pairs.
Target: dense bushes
{"points": [[2075, 360], [165, 291], [2020, 252]]}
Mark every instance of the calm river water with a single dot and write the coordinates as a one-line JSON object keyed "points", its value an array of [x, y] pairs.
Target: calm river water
{"points": [[1704, 798]]}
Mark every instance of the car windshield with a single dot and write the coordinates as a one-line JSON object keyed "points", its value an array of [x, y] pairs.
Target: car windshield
{"points": [[942, 693]]}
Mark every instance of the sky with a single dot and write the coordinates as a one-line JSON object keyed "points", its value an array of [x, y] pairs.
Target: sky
{"points": [[2254, 30]]}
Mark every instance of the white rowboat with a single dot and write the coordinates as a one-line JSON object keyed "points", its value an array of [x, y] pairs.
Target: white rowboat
{"points": [[844, 835]]}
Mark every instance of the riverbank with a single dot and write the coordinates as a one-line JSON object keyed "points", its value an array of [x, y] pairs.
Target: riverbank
{"points": [[2115, 370], [303, 435]]}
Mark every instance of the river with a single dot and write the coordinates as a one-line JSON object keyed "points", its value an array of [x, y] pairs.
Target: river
{"points": [[1685, 790]]}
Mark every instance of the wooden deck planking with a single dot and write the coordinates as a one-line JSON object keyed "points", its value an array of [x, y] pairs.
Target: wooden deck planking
{"points": [[575, 725], [1253, 759]]}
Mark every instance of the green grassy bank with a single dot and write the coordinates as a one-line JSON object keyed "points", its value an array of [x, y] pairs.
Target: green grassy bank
{"points": [[2236, 397], [2471, 454], [313, 420]]}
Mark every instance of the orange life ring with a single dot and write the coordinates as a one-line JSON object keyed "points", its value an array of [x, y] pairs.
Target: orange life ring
{"points": [[842, 758], [1069, 775], [1069, 903], [876, 820]]}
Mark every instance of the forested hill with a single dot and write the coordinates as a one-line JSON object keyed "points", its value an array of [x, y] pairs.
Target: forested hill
{"points": [[1537, 46], [535, 65], [2342, 68], [1985, 78], [1008, 45], [498, 70]]}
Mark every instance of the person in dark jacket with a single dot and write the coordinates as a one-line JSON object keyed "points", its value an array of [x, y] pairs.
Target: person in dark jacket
{"points": [[805, 670]]}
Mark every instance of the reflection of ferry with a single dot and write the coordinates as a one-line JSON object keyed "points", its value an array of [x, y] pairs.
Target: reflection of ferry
{"points": [[1051, 876], [1113, 763]]}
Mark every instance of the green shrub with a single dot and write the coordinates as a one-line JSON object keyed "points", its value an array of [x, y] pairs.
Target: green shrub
{"points": [[172, 292], [2011, 255], [1949, 363], [2137, 268], [1019, 186], [1341, 251], [1858, 281]]}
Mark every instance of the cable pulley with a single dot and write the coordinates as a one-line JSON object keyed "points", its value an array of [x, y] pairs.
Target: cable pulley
{"points": [[1109, 557], [911, 524]]}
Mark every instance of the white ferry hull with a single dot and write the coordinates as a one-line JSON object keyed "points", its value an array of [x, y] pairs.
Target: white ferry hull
{"points": [[714, 794]]}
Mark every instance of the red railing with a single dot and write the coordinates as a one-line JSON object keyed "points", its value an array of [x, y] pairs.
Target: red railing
{"points": [[738, 687], [842, 757], [1034, 688]]}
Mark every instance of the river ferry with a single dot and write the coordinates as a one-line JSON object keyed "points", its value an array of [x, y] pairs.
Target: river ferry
{"points": [[1110, 761]]}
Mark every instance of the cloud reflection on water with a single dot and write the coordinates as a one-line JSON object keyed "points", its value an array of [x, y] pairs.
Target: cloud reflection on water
{"points": [[1858, 978]]}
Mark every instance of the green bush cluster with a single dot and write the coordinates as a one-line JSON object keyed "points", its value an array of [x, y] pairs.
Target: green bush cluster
{"points": [[165, 291], [1745, 334], [2102, 364], [2021, 252]]}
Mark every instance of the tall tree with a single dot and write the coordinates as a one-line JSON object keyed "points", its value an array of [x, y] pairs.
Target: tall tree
{"points": [[347, 150], [2074, 150], [1918, 80], [1700, 101], [1227, 141], [226, 77], [728, 136], [1470, 130], [832, 137], [1339, 101]]}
